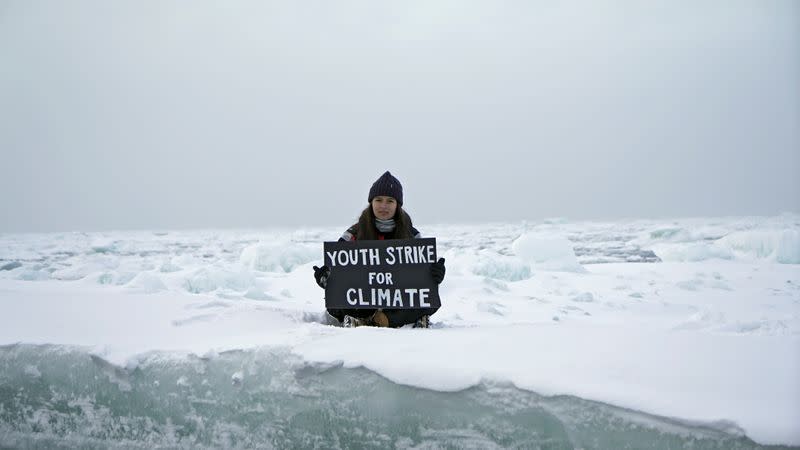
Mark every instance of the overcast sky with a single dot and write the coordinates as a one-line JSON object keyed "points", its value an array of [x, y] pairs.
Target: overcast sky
{"points": [[197, 114]]}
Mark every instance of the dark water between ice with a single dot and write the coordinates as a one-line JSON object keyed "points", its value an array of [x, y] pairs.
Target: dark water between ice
{"points": [[58, 397]]}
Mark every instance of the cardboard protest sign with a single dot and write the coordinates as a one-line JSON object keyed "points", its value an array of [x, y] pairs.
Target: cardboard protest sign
{"points": [[393, 274]]}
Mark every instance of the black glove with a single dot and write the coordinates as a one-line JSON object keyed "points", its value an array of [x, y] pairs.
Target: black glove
{"points": [[437, 270], [321, 274]]}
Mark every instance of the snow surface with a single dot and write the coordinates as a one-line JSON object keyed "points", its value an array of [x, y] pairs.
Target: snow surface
{"points": [[693, 319]]}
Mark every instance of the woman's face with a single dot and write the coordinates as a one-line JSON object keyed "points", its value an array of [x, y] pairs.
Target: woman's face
{"points": [[384, 207]]}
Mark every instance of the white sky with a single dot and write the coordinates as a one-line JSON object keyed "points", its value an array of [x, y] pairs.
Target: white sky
{"points": [[194, 114]]}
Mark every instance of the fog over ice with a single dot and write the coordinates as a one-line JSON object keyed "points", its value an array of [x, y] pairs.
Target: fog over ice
{"points": [[131, 115]]}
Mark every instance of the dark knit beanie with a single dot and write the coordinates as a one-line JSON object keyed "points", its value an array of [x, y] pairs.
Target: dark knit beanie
{"points": [[388, 186]]}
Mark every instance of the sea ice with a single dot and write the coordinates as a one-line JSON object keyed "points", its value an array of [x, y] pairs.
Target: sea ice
{"points": [[547, 252], [278, 257], [709, 335]]}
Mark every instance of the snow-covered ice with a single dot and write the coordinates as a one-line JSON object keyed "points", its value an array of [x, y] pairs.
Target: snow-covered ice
{"points": [[686, 324]]}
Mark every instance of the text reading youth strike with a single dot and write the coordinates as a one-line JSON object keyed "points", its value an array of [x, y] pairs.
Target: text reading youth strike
{"points": [[404, 254]]}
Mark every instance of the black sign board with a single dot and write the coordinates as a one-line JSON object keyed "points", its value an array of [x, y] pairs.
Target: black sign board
{"points": [[392, 274]]}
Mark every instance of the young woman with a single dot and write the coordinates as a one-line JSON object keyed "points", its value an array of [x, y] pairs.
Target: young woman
{"points": [[383, 218]]}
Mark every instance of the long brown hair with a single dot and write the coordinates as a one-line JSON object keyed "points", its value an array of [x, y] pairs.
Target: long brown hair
{"points": [[368, 231]]}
